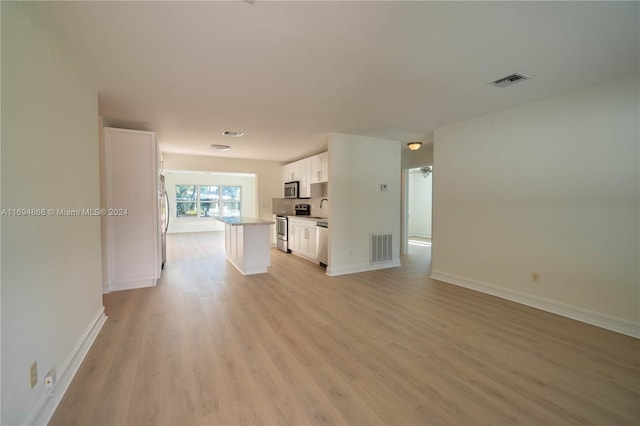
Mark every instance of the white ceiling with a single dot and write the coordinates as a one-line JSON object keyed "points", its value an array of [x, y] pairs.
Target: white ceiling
{"points": [[287, 73]]}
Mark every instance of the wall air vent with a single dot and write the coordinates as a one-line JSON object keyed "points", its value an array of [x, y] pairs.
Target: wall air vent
{"points": [[510, 80], [381, 248]]}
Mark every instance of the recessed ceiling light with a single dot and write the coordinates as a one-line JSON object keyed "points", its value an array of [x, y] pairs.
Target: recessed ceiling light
{"points": [[232, 133], [220, 147]]}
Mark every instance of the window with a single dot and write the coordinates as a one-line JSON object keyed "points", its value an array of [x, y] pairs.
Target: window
{"points": [[207, 201], [186, 200]]}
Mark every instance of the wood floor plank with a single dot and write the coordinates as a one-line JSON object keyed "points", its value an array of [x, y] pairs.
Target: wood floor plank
{"points": [[209, 346]]}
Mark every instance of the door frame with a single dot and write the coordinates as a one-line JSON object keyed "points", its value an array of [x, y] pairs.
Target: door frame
{"points": [[404, 207]]}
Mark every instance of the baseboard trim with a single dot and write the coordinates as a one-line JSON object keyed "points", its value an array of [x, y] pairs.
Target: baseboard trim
{"points": [[50, 398], [131, 285], [333, 271], [302, 256], [622, 326], [419, 235], [190, 231]]}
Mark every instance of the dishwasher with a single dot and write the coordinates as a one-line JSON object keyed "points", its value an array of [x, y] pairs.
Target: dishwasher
{"points": [[322, 229]]}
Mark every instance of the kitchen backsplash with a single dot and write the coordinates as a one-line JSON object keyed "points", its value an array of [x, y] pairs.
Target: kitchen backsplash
{"points": [[285, 206], [315, 207]]}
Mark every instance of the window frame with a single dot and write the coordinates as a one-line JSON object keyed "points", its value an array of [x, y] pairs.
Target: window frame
{"points": [[217, 204]]}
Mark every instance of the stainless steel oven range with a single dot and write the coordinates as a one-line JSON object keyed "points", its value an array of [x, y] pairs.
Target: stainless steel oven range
{"points": [[282, 233]]}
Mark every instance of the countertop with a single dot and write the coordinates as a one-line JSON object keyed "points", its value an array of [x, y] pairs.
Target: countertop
{"points": [[314, 218], [244, 221]]}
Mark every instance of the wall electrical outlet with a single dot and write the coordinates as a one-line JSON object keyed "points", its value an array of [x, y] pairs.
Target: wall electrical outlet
{"points": [[535, 277], [50, 379], [33, 372]]}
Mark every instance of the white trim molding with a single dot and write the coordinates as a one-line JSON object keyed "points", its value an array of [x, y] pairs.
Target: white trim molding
{"points": [[629, 328], [130, 285], [50, 398], [352, 269], [419, 235]]}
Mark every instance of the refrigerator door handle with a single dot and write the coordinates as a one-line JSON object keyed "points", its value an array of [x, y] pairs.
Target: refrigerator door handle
{"points": [[166, 197]]}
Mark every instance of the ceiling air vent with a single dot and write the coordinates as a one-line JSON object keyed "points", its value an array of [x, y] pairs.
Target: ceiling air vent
{"points": [[510, 80]]}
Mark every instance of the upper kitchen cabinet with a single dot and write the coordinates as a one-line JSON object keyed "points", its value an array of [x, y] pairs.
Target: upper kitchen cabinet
{"points": [[307, 171], [299, 171], [320, 168], [304, 168], [288, 173], [132, 228]]}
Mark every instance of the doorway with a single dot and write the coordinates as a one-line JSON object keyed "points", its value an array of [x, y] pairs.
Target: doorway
{"points": [[419, 208]]}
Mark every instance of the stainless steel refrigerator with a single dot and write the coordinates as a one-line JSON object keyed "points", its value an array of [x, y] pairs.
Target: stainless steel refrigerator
{"points": [[164, 218]]}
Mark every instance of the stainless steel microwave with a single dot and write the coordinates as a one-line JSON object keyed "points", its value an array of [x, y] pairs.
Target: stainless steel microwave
{"points": [[291, 189]]}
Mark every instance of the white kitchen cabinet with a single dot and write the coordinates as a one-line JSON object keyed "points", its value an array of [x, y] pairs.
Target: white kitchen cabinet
{"points": [[324, 157], [311, 241], [302, 238], [131, 221], [288, 173], [304, 176], [292, 243], [247, 245], [320, 168], [316, 169], [300, 171]]}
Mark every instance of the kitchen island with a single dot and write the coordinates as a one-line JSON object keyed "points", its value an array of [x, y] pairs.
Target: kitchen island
{"points": [[247, 243]]}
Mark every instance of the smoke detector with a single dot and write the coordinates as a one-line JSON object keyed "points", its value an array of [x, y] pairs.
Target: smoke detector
{"points": [[510, 80]]}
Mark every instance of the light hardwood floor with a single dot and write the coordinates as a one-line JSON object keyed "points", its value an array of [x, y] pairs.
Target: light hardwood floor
{"points": [[210, 346]]}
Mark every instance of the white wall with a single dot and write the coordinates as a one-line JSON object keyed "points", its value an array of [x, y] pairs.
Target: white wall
{"points": [[419, 223], [51, 266], [551, 187], [357, 208], [246, 181]]}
